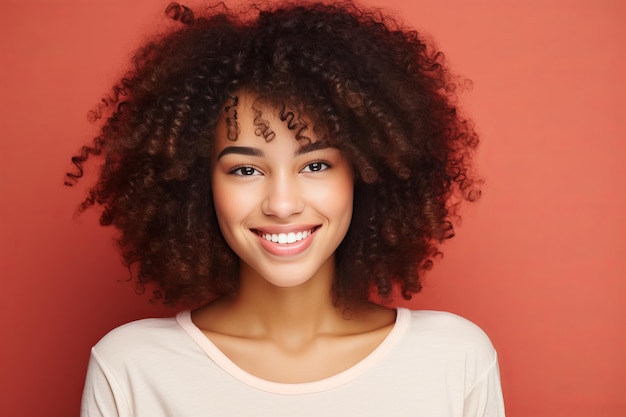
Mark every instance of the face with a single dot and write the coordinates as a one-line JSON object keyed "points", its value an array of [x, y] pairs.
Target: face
{"points": [[283, 206]]}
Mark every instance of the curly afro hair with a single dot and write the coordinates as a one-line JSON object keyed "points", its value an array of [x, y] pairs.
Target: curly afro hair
{"points": [[372, 88]]}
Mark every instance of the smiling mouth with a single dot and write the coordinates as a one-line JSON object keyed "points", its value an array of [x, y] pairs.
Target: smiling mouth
{"points": [[286, 238]]}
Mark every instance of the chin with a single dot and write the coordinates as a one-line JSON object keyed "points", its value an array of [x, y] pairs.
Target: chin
{"points": [[294, 275]]}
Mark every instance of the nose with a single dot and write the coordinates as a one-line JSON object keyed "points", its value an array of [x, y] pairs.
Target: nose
{"points": [[282, 198]]}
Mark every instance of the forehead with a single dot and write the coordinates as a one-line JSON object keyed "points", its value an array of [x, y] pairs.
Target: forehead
{"points": [[248, 118]]}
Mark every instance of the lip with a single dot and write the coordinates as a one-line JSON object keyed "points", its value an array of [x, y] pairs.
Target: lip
{"points": [[285, 249]]}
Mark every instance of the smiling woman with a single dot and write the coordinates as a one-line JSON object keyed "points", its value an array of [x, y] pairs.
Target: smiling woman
{"points": [[268, 170], [282, 206]]}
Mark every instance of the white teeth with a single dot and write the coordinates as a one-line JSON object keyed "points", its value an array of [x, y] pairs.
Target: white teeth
{"points": [[286, 238]]}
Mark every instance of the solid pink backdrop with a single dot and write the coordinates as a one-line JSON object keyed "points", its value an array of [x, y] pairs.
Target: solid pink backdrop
{"points": [[537, 262]]}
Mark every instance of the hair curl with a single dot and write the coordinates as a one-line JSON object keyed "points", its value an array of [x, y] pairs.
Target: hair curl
{"points": [[374, 89]]}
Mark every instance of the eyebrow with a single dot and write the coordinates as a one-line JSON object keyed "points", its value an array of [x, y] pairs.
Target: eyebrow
{"points": [[240, 150], [249, 151], [312, 146]]}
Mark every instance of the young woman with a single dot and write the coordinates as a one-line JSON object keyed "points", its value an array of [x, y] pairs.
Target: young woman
{"points": [[272, 171]]}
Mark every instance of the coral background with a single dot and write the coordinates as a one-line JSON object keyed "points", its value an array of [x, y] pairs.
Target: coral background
{"points": [[539, 262]]}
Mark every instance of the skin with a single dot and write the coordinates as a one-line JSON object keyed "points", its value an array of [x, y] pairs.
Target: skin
{"points": [[283, 312]]}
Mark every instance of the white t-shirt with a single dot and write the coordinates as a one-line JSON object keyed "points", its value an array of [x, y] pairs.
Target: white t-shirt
{"points": [[432, 364]]}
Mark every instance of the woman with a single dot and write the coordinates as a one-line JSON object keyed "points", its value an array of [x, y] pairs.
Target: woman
{"points": [[272, 171]]}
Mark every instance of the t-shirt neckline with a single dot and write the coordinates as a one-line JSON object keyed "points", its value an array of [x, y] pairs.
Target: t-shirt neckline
{"points": [[403, 318]]}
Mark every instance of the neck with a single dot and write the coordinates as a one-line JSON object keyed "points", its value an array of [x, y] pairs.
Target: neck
{"points": [[291, 317], [297, 312]]}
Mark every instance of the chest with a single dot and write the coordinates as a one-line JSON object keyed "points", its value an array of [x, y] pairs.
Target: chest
{"points": [[380, 391], [293, 363]]}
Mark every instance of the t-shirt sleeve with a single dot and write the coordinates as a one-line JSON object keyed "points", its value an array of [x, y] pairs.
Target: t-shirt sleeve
{"points": [[485, 397], [102, 395]]}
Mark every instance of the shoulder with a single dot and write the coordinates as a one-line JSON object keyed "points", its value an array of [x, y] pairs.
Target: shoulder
{"points": [[139, 330], [447, 334], [443, 323], [446, 346], [139, 339], [452, 361]]}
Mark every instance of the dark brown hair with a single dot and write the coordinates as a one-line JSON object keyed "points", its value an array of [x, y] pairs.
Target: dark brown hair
{"points": [[374, 89]]}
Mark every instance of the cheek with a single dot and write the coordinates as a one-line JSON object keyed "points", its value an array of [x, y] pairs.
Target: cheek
{"points": [[345, 189], [228, 206], [338, 199]]}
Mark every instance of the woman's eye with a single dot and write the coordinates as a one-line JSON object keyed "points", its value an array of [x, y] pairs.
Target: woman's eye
{"points": [[315, 167], [244, 171]]}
